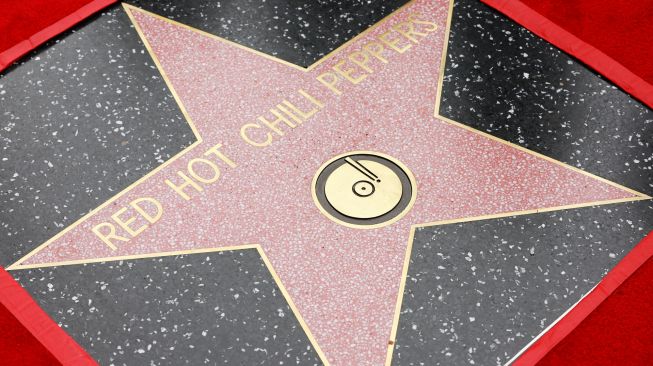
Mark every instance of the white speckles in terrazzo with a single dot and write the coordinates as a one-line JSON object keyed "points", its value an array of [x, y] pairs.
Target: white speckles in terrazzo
{"points": [[202, 309], [80, 120], [298, 32], [562, 109], [514, 276], [344, 281]]}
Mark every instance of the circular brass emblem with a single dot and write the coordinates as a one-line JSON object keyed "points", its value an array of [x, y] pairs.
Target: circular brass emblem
{"points": [[364, 189]]}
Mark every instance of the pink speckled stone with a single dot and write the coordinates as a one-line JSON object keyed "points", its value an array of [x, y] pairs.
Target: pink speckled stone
{"points": [[343, 281]]}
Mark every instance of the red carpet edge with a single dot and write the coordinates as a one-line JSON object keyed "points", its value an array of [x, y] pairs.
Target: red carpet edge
{"points": [[568, 42], [40, 36], [26, 311], [547, 342]]}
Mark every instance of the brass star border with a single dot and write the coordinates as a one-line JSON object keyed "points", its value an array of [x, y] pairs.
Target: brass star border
{"points": [[436, 113]]}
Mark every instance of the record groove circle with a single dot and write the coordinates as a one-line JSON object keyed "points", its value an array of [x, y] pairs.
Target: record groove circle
{"points": [[364, 189]]}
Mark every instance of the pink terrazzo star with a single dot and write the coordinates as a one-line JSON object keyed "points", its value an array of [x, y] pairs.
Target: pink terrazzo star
{"points": [[344, 282]]}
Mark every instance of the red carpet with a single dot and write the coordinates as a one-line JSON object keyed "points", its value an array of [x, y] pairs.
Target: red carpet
{"points": [[25, 24], [18, 346], [612, 325], [611, 36], [27, 334]]}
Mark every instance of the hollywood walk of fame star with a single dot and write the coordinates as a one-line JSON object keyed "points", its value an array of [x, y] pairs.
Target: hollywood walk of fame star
{"points": [[344, 283]]}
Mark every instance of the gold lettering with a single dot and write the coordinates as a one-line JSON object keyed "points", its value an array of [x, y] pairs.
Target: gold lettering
{"points": [[273, 124], [106, 238], [407, 30], [393, 43], [305, 115], [180, 188], [361, 59], [125, 224], [151, 219], [285, 110], [432, 26], [220, 155], [194, 174], [313, 100], [347, 73], [330, 84], [245, 136], [376, 49]]}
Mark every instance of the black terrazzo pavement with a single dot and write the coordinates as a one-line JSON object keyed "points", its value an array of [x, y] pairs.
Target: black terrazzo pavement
{"points": [[478, 292], [198, 309], [502, 79], [80, 120], [300, 32]]}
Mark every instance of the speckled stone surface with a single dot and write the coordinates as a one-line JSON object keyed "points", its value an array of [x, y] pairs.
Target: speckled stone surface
{"points": [[300, 32], [80, 120], [198, 309], [344, 281], [502, 79], [478, 292]]}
